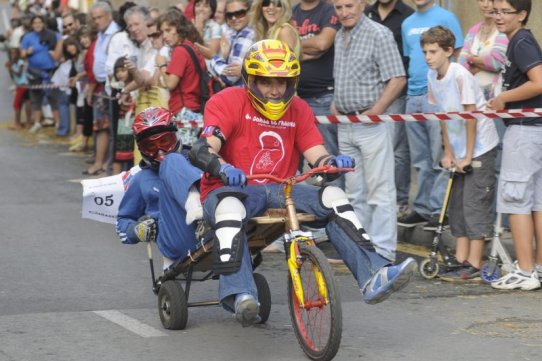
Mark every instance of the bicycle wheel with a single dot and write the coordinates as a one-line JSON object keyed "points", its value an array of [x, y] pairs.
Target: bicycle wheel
{"points": [[317, 325]]}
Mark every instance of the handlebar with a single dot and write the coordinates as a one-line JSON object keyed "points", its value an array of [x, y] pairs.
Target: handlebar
{"points": [[326, 169]]}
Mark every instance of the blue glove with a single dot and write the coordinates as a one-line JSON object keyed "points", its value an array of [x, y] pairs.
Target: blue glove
{"points": [[342, 161], [232, 176]]}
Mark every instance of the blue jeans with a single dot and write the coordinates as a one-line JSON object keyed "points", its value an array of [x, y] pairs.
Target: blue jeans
{"points": [[401, 153], [361, 262], [371, 187], [64, 112], [320, 106], [425, 144]]}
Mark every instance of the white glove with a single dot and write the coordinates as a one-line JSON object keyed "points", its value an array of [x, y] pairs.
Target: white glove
{"points": [[145, 231]]}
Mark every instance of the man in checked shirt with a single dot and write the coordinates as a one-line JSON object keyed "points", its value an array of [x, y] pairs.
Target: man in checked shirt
{"points": [[369, 75]]}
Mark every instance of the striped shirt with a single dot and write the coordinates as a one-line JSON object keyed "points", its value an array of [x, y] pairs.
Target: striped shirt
{"points": [[363, 68]]}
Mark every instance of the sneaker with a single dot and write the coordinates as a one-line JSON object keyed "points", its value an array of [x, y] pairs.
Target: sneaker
{"points": [[517, 279], [433, 223], [465, 273], [35, 128], [246, 309], [411, 220], [388, 280], [402, 210], [48, 122]]}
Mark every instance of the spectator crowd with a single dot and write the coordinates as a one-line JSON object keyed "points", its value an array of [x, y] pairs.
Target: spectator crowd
{"points": [[89, 74]]}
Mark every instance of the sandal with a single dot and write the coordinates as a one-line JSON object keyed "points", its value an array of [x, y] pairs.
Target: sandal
{"points": [[96, 172]]}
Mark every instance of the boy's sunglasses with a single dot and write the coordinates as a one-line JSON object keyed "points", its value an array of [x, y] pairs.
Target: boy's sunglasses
{"points": [[266, 3], [236, 14], [154, 35]]}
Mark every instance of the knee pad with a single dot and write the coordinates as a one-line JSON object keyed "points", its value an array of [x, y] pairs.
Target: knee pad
{"points": [[334, 198], [229, 216]]}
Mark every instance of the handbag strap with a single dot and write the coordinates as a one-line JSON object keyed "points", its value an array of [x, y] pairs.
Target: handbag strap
{"points": [[194, 58]]}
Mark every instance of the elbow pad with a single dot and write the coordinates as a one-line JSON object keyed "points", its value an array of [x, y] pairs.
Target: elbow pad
{"points": [[201, 157]]}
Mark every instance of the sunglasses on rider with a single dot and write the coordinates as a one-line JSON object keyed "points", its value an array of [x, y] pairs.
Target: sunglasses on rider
{"points": [[164, 142], [154, 35], [266, 3], [236, 14]]}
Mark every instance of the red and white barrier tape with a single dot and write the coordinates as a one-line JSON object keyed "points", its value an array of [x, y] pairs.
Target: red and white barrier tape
{"points": [[416, 117]]}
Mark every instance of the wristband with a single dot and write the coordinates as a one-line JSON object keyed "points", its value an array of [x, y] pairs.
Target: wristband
{"points": [[161, 65]]}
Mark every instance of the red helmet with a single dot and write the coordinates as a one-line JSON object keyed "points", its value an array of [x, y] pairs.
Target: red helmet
{"points": [[155, 131]]}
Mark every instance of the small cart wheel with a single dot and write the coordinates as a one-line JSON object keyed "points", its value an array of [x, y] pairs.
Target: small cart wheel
{"points": [[429, 269], [489, 275], [264, 296], [172, 306]]}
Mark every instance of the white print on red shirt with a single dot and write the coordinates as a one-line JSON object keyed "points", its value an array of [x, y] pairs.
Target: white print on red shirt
{"points": [[270, 154]]}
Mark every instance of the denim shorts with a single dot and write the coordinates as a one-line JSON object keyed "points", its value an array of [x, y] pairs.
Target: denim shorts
{"points": [[470, 209]]}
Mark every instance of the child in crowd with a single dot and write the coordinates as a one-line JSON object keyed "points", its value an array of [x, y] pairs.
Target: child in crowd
{"points": [[124, 144], [18, 72], [61, 78], [469, 143], [520, 183]]}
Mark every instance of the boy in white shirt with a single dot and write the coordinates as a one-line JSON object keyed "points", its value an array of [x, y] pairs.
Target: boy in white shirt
{"points": [[469, 143]]}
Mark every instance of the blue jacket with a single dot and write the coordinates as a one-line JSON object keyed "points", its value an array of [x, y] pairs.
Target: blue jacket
{"points": [[161, 195]]}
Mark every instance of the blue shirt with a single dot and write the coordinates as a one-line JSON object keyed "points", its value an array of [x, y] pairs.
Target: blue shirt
{"points": [[100, 52], [19, 68], [40, 57], [412, 29]]}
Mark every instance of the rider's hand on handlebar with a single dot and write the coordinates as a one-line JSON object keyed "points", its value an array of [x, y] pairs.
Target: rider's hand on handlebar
{"points": [[146, 230], [232, 176], [342, 161]]}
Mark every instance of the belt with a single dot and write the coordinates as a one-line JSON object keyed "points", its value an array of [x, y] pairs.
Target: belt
{"points": [[102, 83], [357, 112]]}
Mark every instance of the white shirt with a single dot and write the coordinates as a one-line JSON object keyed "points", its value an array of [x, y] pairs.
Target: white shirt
{"points": [[456, 89]]}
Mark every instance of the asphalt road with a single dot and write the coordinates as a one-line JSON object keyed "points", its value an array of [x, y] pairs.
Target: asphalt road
{"points": [[70, 291]]}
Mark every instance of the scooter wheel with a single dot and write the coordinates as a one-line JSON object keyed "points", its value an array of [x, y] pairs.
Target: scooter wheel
{"points": [[489, 276], [429, 269]]}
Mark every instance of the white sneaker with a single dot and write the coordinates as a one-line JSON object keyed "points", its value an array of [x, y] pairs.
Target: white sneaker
{"points": [[538, 269], [517, 279], [35, 128]]}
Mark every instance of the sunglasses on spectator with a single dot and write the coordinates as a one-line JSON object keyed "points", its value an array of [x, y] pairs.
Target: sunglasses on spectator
{"points": [[154, 35], [266, 3], [236, 14]]}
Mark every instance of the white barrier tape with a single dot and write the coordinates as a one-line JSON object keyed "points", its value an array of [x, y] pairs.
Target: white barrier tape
{"points": [[416, 117]]}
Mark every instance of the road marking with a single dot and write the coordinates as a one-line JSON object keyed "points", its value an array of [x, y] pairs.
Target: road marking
{"points": [[130, 324]]}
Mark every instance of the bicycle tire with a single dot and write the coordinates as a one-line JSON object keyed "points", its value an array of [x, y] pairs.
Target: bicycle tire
{"points": [[319, 343]]}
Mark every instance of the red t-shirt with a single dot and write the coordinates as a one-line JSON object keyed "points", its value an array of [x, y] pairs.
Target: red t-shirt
{"points": [[88, 62], [187, 93], [254, 143]]}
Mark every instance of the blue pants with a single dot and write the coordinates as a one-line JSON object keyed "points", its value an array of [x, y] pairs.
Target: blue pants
{"points": [[401, 153], [64, 112], [361, 262], [425, 144]]}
